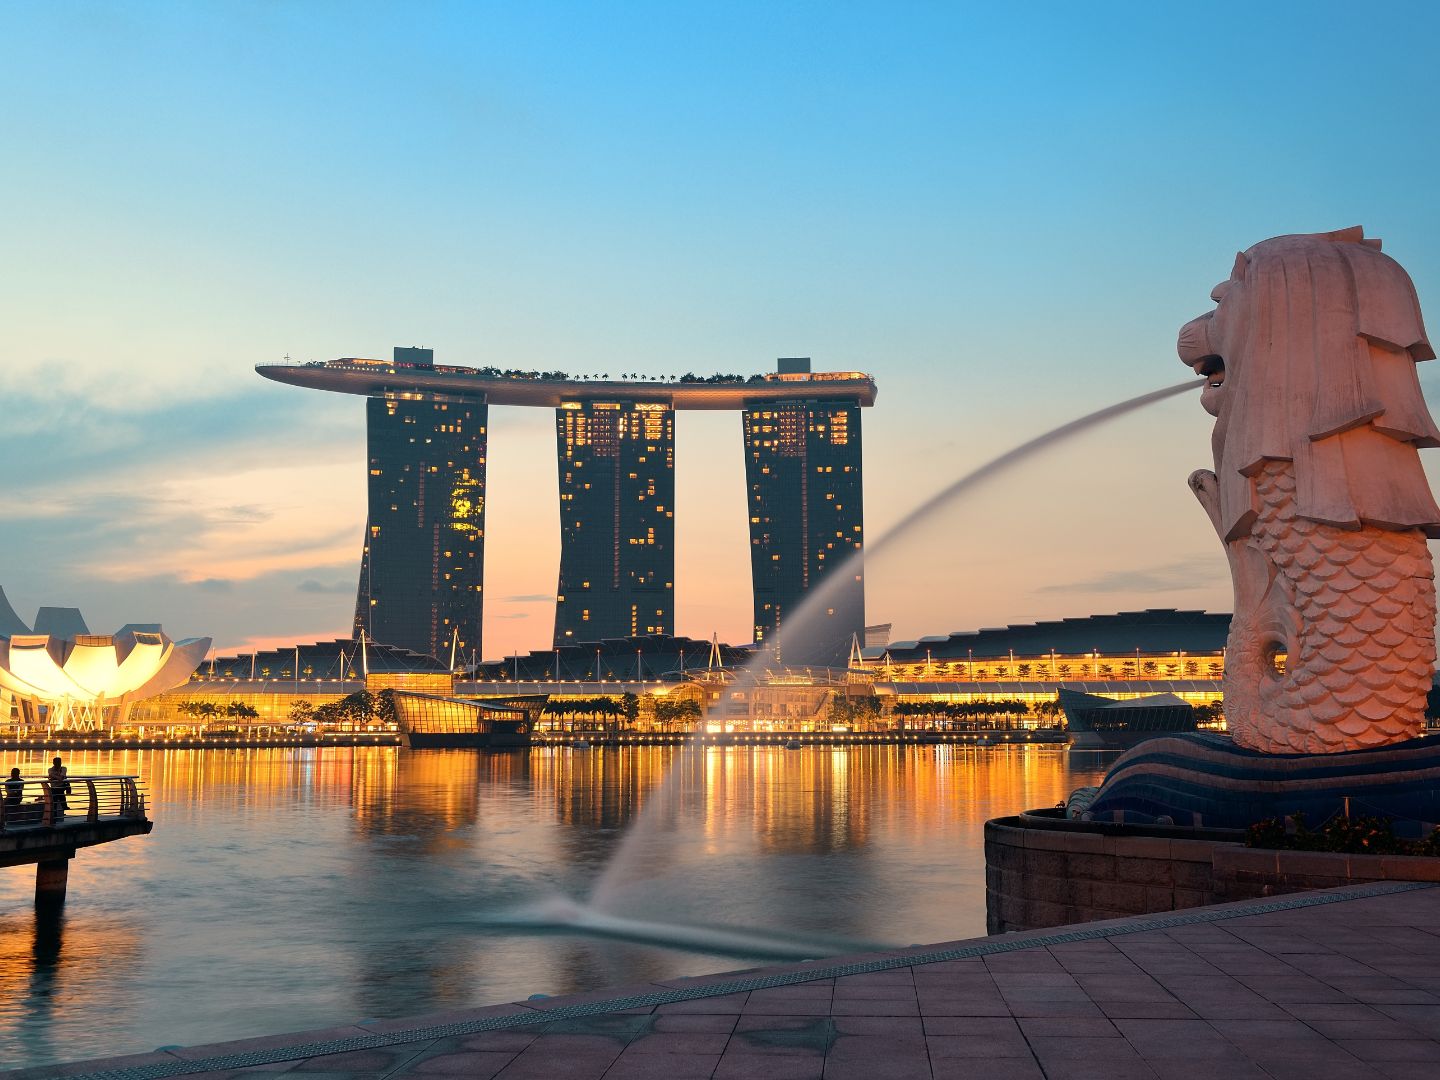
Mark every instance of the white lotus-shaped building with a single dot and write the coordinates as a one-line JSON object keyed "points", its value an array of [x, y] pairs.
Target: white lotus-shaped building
{"points": [[62, 676]]}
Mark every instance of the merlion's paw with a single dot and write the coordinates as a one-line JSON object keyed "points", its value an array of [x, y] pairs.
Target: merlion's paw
{"points": [[1207, 489]]}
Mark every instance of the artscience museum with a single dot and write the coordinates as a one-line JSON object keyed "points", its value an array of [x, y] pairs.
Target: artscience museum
{"points": [[57, 675]]}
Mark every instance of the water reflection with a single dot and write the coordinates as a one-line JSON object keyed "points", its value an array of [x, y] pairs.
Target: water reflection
{"points": [[284, 889]]}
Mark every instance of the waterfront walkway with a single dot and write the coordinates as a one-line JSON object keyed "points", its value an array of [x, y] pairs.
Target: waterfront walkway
{"points": [[1319, 986]]}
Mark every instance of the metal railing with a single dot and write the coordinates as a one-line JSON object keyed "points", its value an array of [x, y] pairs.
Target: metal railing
{"points": [[35, 803]]}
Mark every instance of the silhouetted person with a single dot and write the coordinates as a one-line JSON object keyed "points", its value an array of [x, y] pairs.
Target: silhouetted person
{"points": [[59, 778], [14, 794]]}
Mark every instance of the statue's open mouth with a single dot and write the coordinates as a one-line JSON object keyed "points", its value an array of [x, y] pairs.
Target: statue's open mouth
{"points": [[1212, 367]]}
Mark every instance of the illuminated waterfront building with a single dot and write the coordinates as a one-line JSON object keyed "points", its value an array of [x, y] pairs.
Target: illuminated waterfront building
{"points": [[273, 682], [57, 675], [805, 498], [422, 568], [343, 660], [1128, 655], [421, 575], [1158, 643], [645, 658], [617, 519], [1009, 677]]}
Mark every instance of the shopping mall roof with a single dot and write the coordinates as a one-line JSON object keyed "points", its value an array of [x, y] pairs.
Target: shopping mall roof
{"points": [[660, 655], [1152, 631], [322, 660]]}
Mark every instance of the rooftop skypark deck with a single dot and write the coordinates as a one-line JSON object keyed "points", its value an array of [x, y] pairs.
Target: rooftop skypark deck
{"points": [[356, 375]]}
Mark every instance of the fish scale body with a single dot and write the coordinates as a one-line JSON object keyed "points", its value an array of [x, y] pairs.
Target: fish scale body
{"points": [[1353, 610]]}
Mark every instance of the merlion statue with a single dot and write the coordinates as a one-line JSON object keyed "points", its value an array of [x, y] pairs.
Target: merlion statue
{"points": [[1318, 494]]}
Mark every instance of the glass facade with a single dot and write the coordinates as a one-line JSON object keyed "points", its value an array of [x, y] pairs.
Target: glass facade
{"points": [[422, 570], [445, 715], [617, 520], [803, 484]]}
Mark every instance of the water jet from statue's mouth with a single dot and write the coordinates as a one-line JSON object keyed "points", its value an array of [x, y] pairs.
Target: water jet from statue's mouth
{"points": [[558, 914]]}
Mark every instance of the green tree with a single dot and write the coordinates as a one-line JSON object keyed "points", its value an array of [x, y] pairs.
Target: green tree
{"points": [[385, 708], [361, 708], [331, 714], [1209, 712]]}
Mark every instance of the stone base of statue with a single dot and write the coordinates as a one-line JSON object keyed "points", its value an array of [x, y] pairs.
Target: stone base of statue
{"points": [[1167, 830], [1043, 869], [1207, 781]]}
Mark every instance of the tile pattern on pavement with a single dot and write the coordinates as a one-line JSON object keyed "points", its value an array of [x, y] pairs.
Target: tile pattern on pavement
{"points": [[1331, 985]]}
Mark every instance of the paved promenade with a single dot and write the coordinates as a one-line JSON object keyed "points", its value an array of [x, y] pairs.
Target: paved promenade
{"points": [[1321, 986]]}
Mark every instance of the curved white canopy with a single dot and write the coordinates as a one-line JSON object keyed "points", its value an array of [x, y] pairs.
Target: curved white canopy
{"points": [[138, 662]]}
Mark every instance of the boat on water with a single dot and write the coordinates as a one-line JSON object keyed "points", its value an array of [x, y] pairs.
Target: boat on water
{"points": [[794, 744], [580, 744], [1101, 723]]}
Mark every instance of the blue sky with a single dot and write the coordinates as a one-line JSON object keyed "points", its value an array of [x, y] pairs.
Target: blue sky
{"points": [[1003, 213]]}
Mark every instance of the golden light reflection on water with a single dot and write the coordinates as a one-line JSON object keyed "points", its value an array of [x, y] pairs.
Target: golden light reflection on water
{"points": [[284, 889]]}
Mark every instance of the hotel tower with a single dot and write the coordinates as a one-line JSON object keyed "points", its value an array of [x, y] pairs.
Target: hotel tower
{"points": [[803, 486], [617, 520], [422, 568]]}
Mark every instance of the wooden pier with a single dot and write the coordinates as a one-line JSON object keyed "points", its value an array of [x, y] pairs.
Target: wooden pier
{"points": [[45, 827]]}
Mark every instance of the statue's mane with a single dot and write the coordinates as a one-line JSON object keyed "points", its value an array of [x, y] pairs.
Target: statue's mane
{"points": [[1325, 377]]}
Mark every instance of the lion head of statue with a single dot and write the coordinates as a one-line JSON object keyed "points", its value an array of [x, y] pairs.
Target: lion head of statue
{"points": [[1310, 355]]}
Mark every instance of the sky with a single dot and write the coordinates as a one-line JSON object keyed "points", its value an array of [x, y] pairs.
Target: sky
{"points": [[1003, 212]]}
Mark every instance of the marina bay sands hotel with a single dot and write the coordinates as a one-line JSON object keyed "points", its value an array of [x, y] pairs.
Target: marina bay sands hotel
{"points": [[422, 565]]}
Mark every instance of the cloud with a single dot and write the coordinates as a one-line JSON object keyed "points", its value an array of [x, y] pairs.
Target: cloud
{"points": [[1170, 577], [529, 598], [241, 515], [514, 615], [121, 433], [218, 516], [187, 522], [268, 609], [339, 588], [266, 642]]}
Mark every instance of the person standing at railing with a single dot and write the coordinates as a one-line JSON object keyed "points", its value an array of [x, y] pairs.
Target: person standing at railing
{"points": [[59, 778], [14, 795]]}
